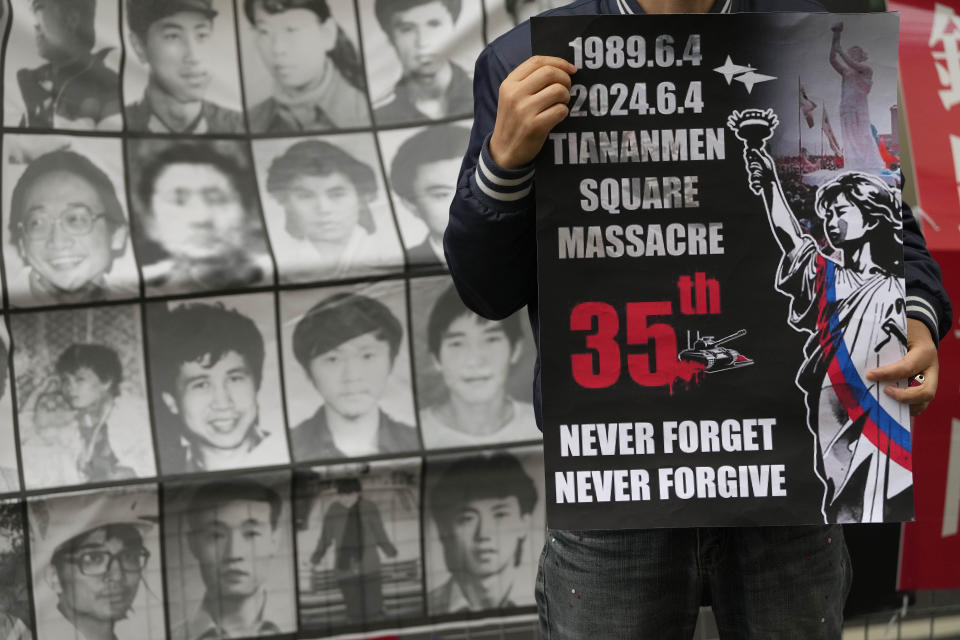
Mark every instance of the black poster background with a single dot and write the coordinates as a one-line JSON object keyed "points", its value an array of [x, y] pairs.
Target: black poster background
{"points": [[745, 272]]}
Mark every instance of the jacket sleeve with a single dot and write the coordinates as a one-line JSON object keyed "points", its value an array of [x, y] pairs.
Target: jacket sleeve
{"points": [[490, 241], [927, 300]]}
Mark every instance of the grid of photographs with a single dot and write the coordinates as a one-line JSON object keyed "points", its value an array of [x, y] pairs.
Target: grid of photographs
{"points": [[239, 395]]}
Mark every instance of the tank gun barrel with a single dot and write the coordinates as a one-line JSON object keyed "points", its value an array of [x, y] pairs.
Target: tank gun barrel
{"points": [[732, 336]]}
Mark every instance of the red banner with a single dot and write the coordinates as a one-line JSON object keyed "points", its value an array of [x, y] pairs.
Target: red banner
{"points": [[930, 77], [930, 550]]}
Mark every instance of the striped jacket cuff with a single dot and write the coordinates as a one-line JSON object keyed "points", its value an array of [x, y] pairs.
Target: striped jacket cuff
{"points": [[497, 183], [924, 308]]}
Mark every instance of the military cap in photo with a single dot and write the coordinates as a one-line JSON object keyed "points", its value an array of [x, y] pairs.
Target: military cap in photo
{"points": [[142, 13]]}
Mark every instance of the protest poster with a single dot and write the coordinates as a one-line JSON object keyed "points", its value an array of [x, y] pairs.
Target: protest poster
{"points": [[719, 266]]}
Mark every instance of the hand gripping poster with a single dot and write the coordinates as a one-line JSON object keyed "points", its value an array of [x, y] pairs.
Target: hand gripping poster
{"points": [[720, 263]]}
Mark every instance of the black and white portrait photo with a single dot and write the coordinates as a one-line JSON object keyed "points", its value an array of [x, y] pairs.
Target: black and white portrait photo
{"points": [[95, 563], [229, 564], [424, 167], [301, 66], [65, 215], [81, 399], [197, 221], [15, 614], [420, 56], [215, 383], [347, 371], [326, 208], [358, 544], [484, 527], [474, 376], [181, 73], [61, 65], [9, 478], [504, 15]]}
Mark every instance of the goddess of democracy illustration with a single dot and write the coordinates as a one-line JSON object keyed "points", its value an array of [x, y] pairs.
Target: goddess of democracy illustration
{"points": [[849, 297]]}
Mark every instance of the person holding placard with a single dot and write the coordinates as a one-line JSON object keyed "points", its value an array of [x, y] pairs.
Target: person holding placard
{"points": [[786, 582]]}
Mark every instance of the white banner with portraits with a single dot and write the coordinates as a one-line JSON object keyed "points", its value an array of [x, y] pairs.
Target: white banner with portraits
{"points": [[239, 395]]}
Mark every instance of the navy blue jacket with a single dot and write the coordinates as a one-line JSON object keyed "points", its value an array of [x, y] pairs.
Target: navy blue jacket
{"points": [[490, 241]]}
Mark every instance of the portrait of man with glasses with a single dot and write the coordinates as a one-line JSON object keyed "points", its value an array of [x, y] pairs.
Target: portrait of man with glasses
{"points": [[68, 231], [91, 554]]}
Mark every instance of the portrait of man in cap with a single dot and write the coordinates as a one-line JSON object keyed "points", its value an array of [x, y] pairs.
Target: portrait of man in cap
{"points": [[74, 88], [91, 553], [174, 41], [238, 537], [347, 345]]}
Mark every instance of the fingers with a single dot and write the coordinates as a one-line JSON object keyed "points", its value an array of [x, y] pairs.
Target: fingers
{"points": [[921, 358], [551, 117], [916, 361], [533, 99], [917, 397], [533, 63], [542, 89], [548, 97], [544, 77]]}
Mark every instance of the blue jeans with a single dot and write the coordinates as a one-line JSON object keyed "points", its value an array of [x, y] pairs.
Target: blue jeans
{"points": [[769, 583]]}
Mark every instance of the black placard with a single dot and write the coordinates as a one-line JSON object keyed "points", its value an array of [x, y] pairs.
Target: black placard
{"points": [[718, 268]]}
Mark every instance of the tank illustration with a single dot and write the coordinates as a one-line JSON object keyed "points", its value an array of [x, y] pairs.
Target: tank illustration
{"points": [[710, 352]]}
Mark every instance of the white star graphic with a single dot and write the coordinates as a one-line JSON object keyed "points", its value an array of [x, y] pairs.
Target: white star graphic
{"points": [[729, 70], [750, 78]]}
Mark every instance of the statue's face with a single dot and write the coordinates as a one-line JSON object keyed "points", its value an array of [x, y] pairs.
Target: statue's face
{"points": [[844, 222], [857, 54]]}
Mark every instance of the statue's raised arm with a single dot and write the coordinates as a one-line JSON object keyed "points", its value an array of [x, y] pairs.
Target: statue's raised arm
{"points": [[764, 182], [851, 63], [836, 50], [754, 127]]}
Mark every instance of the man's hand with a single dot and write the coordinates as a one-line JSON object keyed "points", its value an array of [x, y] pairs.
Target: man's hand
{"points": [[533, 100], [921, 358]]}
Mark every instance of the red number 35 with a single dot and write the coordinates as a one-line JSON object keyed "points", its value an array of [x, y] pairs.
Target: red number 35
{"points": [[601, 367]]}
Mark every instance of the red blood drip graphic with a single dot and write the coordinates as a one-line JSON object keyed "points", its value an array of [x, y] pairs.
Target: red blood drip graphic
{"points": [[687, 373]]}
